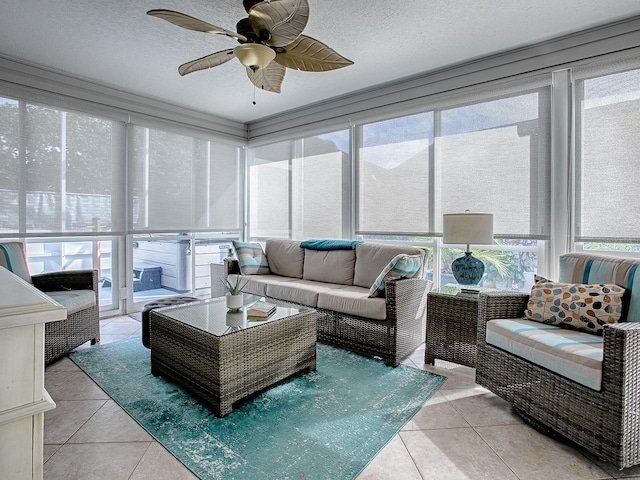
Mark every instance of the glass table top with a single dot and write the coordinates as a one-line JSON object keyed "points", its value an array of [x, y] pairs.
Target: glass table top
{"points": [[213, 316]]}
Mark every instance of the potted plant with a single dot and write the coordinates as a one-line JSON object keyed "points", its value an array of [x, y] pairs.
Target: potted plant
{"points": [[234, 292]]}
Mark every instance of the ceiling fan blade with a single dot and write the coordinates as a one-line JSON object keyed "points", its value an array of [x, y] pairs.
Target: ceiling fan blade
{"points": [[311, 55], [208, 61], [269, 78], [284, 19], [191, 23]]}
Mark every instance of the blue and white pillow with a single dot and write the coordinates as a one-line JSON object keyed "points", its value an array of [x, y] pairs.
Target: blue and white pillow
{"points": [[251, 258], [401, 266]]}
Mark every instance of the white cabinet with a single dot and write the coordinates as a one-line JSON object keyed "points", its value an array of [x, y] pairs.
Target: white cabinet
{"points": [[23, 399]]}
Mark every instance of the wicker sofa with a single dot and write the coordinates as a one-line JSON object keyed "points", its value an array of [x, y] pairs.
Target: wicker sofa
{"points": [[337, 283], [76, 290], [602, 417]]}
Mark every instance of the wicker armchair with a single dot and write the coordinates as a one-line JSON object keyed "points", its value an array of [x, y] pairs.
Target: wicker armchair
{"points": [[605, 422], [76, 290]]}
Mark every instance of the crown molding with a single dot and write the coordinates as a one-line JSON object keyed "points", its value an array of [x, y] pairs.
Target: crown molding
{"points": [[27, 80], [577, 49]]}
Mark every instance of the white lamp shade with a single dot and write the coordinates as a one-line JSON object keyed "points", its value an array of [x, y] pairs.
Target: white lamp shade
{"points": [[254, 55], [467, 228]]}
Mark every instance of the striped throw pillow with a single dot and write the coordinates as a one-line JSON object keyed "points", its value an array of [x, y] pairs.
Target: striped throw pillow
{"points": [[401, 266], [251, 258], [12, 257]]}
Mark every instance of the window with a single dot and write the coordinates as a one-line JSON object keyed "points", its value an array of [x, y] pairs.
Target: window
{"points": [[509, 265], [607, 158], [52, 255], [11, 165], [166, 264], [487, 154], [296, 188], [487, 150], [493, 156], [270, 190], [178, 182], [64, 191], [394, 161], [62, 176], [63, 171]]}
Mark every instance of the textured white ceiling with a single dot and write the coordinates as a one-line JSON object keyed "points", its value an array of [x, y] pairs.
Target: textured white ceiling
{"points": [[114, 43]]}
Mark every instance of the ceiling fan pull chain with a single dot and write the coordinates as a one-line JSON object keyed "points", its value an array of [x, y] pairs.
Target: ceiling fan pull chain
{"points": [[254, 94]]}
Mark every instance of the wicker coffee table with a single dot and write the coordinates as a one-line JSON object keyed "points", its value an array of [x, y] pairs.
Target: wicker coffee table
{"points": [[222, 357]]}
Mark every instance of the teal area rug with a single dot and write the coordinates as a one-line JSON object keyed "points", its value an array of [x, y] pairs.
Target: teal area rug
{"points": [[327, 424]]}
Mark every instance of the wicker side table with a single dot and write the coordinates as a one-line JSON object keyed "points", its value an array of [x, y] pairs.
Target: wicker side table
{"points": [[452, 321]]}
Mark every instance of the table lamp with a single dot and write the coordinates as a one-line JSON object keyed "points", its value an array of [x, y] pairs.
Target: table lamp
{"points": [[468, 229]]}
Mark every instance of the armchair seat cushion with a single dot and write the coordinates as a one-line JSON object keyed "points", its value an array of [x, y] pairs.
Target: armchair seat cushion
{"points": [[573, 354], [74, 300]]}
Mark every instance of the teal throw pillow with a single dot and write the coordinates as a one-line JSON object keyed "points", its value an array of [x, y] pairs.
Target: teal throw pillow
{"points": [[251, 258], [401, 266]]}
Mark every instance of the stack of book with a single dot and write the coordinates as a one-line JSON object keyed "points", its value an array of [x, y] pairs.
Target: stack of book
{"points": [[469, 291], [261, 310]]}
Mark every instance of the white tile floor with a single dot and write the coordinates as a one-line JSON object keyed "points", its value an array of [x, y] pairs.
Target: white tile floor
{"points": [[463, 432]]}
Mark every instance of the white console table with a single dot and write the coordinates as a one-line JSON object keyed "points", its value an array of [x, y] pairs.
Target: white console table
{"points": [[23, 399]]}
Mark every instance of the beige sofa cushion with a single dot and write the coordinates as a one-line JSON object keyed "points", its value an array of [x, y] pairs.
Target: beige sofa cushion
{"points": [[303, 292], [257, 284], [371, 258], [331, 266], [353, 301], [285, 257]]}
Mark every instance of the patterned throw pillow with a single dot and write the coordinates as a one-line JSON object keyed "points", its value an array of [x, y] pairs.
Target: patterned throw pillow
{"points": [[251, 258], [401, 266], [576, 306]]}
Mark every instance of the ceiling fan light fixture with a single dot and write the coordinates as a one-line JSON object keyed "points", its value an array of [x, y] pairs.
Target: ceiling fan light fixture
{"points": [[254, 55], [272, 31]]}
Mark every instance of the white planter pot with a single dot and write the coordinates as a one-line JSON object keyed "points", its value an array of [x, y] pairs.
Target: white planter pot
{"points": [[234, 302]]}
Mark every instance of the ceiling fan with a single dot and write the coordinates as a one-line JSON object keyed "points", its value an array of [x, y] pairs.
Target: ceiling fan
{"points": [[270, 40]]}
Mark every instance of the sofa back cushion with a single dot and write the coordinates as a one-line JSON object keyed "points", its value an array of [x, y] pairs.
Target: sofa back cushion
{"points": [[285, 257], [600, 269], [12, 257], [331, 266], [372, 258]]}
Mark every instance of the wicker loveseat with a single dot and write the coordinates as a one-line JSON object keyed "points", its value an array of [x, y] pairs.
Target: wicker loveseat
{"points": [[76, 290], [337, 283], [604, 416]]}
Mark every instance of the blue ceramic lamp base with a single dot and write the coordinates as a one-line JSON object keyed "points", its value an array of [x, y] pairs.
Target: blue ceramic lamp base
{"points": [[467, 270]]}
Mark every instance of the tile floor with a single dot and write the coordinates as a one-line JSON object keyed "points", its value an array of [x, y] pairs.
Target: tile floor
{"points": [[463, 432]]}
